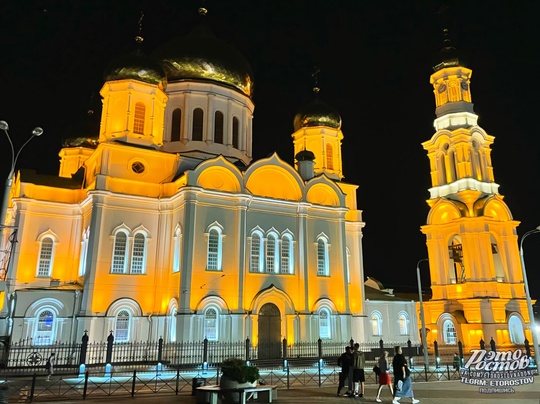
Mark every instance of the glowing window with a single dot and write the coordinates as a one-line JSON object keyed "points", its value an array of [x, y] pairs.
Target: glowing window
{"points": [[218, 127], [177, 240], [197, 129], [214, 250], [84, 252], [45, 257], [138, 122], [271, 253], [449, 333], [376, 323], [138, 254], [324, 324], [211, 325], [45, 328], [255, 259], [286, 255], [329, 157], [322, 257], [176, 124], [515, 328], [403, 321], [121, 333], [119, 253], [235, 133]]}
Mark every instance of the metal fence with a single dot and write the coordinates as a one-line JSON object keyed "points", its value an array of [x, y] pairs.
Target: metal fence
{"points": [[26, 355]]}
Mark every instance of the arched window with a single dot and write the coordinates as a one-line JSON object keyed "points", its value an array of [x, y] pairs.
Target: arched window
{"points": [[122, 326], [329, 157], [138, 256], [213, 262], [324, 324], [177, 240], [403, 321], [176, 125], [46, 253], [119, 253], [218, 127], [376, 323], [211, 324], [515, 329], [84, 252], [235, 132], [138, 121], [322, 257], [449, 333], [197, 130], [45, 328], [271, 259], [172, 327], [348, 265], [255, 258], [286, 255]]}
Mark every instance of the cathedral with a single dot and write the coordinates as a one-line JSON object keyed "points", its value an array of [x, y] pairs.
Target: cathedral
{"points": [[162, 225]]}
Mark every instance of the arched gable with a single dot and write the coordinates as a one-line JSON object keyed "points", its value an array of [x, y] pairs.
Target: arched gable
{"points": [[217, 174], [322, 191], [212, 300], [445, 211], [495, 207], [273, 295], [324, 302], [124, 303], [273, 178]]}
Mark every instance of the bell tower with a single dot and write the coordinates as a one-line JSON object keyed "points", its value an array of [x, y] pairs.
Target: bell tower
{"points": [[476, 278]]}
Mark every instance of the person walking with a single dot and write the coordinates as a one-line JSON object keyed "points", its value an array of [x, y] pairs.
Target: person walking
{"points": [[457, 361], [345, 361], [402, 380], [49, 366], [384, 376], [359, 377]]}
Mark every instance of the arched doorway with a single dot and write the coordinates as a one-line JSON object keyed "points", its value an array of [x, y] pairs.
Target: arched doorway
{"points": [[269, 332]]}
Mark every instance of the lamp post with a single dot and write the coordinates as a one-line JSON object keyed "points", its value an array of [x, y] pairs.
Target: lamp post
{"points": [[529, 303], [14, 156], [422, 319]]}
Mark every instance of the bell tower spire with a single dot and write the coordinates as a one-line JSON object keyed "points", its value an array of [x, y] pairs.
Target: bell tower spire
{"points": [[471, 236]]}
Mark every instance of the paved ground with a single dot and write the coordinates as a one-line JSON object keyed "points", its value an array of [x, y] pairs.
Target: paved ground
{"points": [[443, 392]]}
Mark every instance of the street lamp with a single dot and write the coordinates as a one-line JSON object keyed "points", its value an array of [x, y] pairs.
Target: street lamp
{"points": [[14, 156], [424, 338], [529, 303]]}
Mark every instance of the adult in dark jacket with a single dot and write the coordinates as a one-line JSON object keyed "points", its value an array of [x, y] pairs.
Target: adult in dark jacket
{"points": [[402, 381], [346, 362]]}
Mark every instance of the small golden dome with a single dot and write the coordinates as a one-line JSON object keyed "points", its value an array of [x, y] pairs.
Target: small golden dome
{"points": [[317, 113]]}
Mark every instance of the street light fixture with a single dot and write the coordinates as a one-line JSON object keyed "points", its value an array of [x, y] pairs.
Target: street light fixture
{"points": [[14, 156], [529, 302], [424, 337]]}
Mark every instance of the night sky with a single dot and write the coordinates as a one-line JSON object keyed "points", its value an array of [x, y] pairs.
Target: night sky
{"points": [[374, 57]]}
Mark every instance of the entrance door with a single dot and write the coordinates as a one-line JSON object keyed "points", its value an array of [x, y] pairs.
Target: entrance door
{"points": [[269, 332]]}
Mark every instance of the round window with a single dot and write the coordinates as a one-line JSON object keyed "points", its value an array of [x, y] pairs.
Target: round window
{"points": [[137, 167]]}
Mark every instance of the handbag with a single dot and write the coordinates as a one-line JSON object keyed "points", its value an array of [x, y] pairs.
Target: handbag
{"points": [[377, 370]]}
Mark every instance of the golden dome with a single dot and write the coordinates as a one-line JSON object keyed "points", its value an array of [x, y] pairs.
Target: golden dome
{"points": [[201, 56], [137, 66], [317, 113]]}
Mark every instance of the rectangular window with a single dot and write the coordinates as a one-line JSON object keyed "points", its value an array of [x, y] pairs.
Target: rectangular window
{"points": [[45, 257], [137, 259], [285, 255], [213, 250], [119, 257], [138, 122]]}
